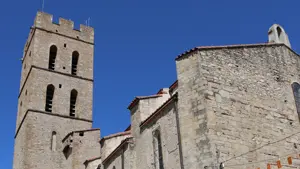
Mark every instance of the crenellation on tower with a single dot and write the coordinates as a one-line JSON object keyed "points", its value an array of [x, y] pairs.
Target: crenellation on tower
{"points": [[65, 27], [56, 95]]}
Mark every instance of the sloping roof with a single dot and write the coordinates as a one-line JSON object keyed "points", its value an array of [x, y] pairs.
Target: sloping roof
{"points": [[230, 47], [159, 110], [173, 86], [138, 98], [92, 159], [78, 131], [128, 128], [115, 135], [123, 143]]}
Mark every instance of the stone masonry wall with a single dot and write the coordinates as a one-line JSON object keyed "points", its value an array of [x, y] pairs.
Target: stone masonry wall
{"points": [[237, 100], [36, 94], [111, 144], [166, 124], [84, 147], [33, 142], [125, 155]]}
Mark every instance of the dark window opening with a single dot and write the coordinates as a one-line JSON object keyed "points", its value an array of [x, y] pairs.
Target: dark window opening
{"points": [[65, 45], [73, 99], [75, 57], [21, 104], [81, 134], [279, 31], [49, 98], [25, 66], [296, 91], [52, 57], [160, 154], [60, 85], [30, 53], [158, 150], [26, 93], [67, 151]]}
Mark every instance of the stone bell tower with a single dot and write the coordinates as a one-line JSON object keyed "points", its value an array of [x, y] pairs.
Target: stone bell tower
{"points": [[56, 94]]}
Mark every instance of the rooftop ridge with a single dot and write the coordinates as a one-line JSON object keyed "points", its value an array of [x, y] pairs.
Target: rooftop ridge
{"points": [[180, 56], [116, 135]]}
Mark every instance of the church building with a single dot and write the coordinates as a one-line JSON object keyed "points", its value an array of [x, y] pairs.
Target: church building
{"points": [[234, 106]]}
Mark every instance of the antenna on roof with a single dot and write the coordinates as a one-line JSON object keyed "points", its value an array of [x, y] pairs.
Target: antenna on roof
{"points": [[43, 4], [87, 22]]}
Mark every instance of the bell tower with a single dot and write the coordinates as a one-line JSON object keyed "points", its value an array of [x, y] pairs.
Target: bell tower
{"points": [[56, 92]]}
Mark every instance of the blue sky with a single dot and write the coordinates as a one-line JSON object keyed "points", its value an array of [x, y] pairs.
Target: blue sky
{"points": [[136, 44]]}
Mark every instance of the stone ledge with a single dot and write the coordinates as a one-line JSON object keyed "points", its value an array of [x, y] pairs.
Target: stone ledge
{"points": [[51, 114]]}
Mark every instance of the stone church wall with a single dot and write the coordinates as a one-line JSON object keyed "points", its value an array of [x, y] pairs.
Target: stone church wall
{"points": [[165, 123], [235, 100]]}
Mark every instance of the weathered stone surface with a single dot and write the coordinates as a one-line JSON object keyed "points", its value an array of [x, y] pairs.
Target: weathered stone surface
{"points": [[256, 107]]}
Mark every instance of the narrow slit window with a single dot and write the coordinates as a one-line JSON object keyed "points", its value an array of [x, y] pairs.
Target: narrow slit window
{"points": [[53, 141], [75, 57], [73, 99], [49, 98], [158, 152], [52, 57], [296, 91]]}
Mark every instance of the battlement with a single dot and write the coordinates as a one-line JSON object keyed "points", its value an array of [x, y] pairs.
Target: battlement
{"points": [[64, 27]]}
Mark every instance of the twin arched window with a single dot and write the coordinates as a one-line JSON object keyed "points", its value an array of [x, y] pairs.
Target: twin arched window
{"points": [[49, 100], [52, 58]]}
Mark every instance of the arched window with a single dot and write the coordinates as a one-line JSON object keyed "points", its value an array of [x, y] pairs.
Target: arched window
{"points": [[278, 31], [296, 91], [49, 98], [75, 57], [52, 57], [73, 99], [53, 141]]}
